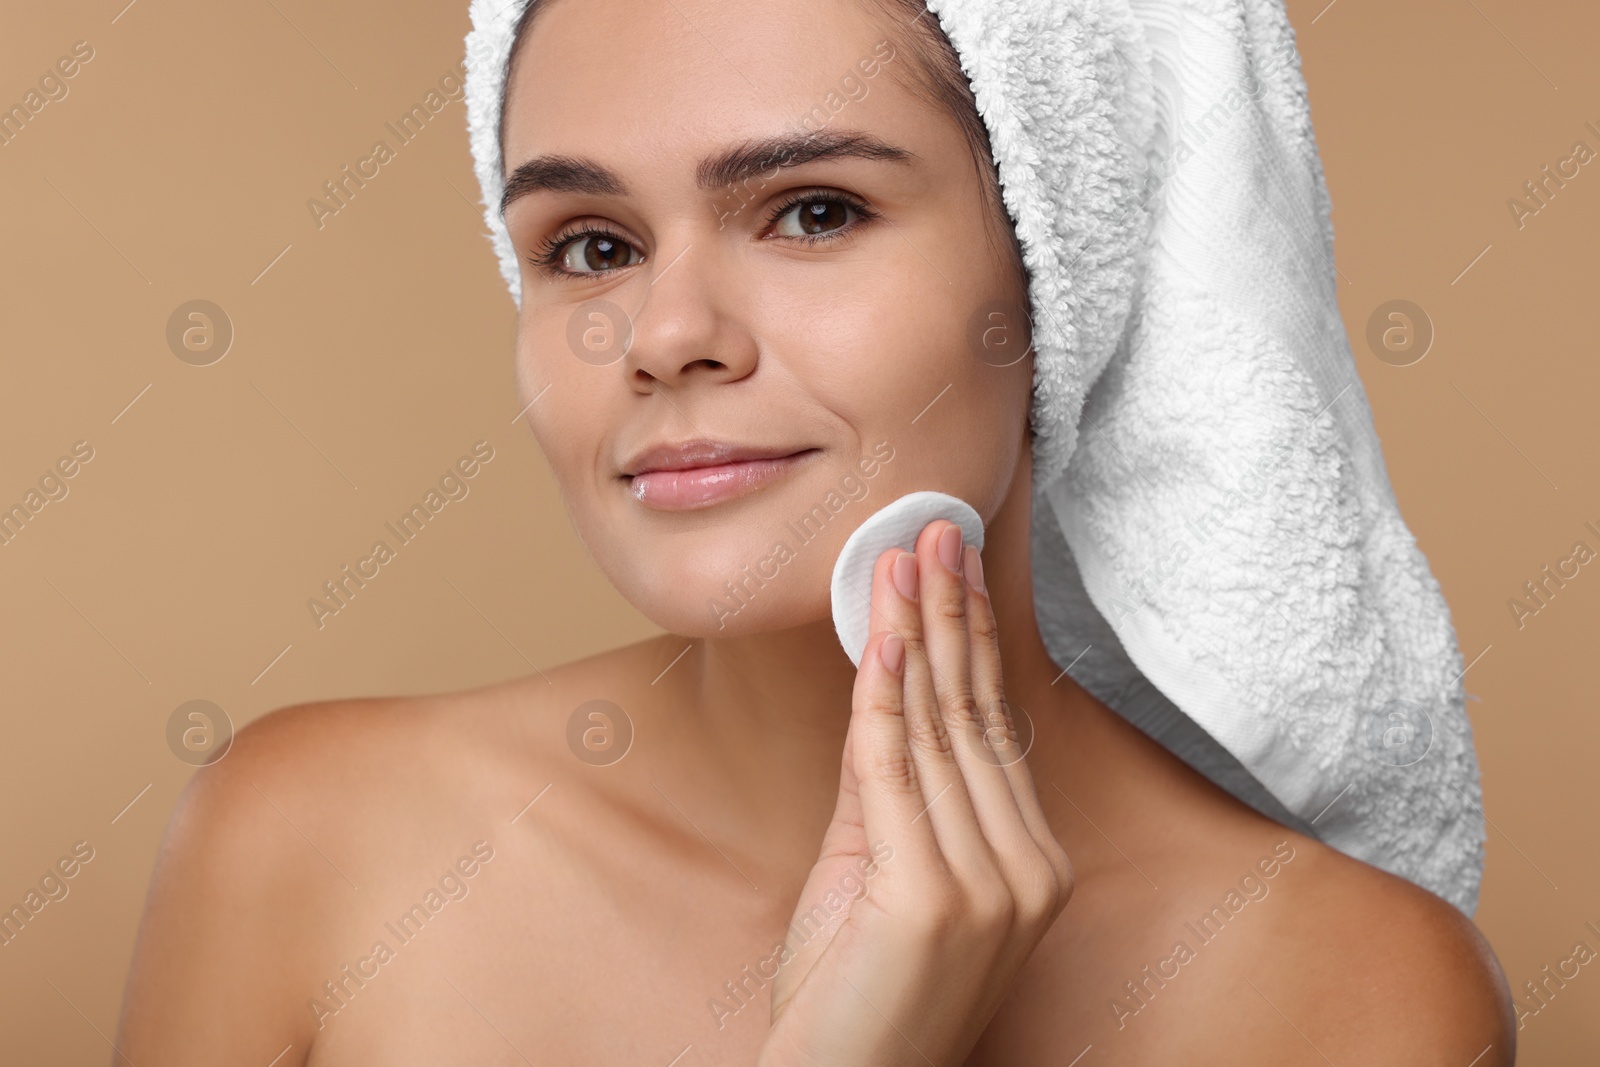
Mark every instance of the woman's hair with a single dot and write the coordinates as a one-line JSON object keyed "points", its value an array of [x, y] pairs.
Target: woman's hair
{"points": [[936, 76]]}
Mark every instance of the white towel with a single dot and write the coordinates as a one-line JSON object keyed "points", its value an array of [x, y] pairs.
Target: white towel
{"points": [[1217, 550]]}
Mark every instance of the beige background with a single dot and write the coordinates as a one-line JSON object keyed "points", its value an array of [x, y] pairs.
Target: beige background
{"points": [[373, 352]]}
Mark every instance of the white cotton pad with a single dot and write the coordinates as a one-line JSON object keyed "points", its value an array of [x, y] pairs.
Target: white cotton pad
{"points": [[895, 525]]}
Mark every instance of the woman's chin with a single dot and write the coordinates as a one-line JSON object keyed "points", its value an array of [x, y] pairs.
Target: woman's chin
{"points": [[709, 613]]}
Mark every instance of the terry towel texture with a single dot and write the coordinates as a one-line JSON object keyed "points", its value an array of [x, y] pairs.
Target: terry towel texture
{"points": [[1218, 554]]}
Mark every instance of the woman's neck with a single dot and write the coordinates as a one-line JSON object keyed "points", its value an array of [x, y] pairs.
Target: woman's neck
{"points": [[770, 711]]}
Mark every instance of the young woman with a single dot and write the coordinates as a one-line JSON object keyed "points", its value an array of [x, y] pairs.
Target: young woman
{"points": [[726, 845]]}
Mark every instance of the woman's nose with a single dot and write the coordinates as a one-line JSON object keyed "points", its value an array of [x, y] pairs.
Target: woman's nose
{"points": [[692, 322]]}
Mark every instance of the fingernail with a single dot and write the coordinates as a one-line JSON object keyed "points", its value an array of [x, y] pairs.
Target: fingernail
{"points": [[892, 652], [974, 568], [950, 547], [904, 573]]}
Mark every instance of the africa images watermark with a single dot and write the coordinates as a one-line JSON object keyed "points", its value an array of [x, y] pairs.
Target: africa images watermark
{"points": [[852, 89], [803, 529], [338, 992], [53, 888], [1142, 989], [1538, 190], [1538, 589], [342, 188], [1540, 995], [1194, 133], [823, 918], [52, 487], [53, 88], [339, 591]]}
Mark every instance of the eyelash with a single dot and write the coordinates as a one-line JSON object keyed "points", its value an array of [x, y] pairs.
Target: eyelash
{"points": [[548, 255]]}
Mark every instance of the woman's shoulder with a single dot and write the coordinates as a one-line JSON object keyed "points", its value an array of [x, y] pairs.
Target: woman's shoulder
{"points": [[333, 759], [1324, 956], [1312, 949], [281, 850]]}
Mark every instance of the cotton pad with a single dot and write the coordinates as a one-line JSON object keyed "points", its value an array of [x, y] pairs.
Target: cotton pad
{"points": [[895, 525]]}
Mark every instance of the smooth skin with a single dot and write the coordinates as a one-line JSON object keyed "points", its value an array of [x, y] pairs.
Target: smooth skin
{"points": [[625, 913]]}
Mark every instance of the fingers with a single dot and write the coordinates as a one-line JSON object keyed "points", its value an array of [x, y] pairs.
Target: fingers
{"points": [[887, 781], [962, 668], [942, 740], [906, 605], [998, 748], [988, 748]]}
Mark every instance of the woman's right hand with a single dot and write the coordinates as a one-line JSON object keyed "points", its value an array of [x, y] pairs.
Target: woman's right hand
{"points": [[939, 822]]}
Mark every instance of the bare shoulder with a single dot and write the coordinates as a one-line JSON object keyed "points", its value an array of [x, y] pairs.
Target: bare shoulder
{"points": [[333, 771], [319, 816], [251, 879], [1355, 964], [235, 900], [1263, 939], [358, 758]]}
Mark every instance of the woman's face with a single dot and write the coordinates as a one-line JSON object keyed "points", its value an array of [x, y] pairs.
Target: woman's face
{"points": [[841, 306]]}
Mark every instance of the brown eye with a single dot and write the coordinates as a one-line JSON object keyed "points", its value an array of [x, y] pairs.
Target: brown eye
{"points": [[814, 216], [593, 253]]}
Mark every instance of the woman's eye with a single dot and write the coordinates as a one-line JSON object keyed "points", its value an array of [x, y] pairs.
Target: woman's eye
{"points": [[815, 216], [594, 252]]}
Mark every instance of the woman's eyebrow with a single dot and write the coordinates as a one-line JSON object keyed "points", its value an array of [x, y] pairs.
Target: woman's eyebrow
{"points": [[729, 167]]}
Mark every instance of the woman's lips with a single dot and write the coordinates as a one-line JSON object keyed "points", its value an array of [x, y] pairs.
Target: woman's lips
{"points": [[701, 487]]}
